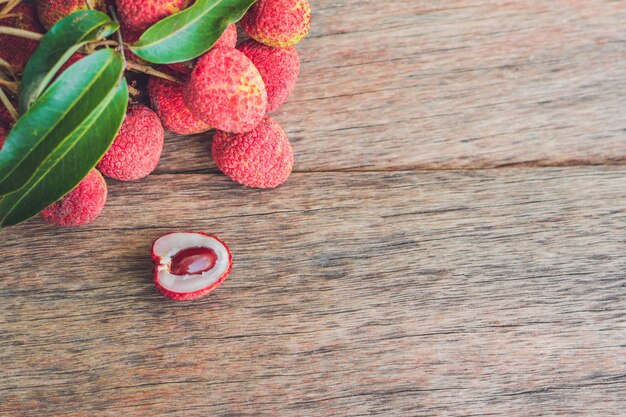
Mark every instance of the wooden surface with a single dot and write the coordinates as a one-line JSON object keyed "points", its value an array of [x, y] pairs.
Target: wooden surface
{"points": [[398, 272]]}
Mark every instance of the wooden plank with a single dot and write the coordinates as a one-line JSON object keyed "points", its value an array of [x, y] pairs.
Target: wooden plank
{"points": [[452, 84], [498, 292]]}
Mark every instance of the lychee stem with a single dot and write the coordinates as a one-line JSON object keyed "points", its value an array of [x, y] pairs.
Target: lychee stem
{"points": [[7, 103], [13, 86], [6, 30], [4, 64], [133, 91], [151, 71], [10, 6]]}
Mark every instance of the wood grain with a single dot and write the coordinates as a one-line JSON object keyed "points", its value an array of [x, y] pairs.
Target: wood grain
{"points": [[496, 292], [452, 84]]}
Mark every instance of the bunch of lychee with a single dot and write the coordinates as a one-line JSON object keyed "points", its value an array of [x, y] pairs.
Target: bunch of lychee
{"points": [[231, 88]]}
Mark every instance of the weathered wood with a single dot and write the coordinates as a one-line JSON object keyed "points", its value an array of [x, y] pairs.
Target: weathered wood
{"points": [[495, 292], [453, 84]]}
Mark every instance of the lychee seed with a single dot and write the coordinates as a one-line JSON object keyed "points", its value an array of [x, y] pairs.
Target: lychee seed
{"points": [[136, 151], [82, 205], [189, 265], [226, 91], [279, 68], [261, 158], [278, 23]]}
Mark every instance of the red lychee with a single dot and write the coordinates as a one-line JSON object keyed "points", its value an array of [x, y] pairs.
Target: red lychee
{"points": [[3, 136], [279, 68], [227, 40], [17, 50], [226, 91], [51, 11], [262, 158], [190, 265], [138, 15], [82, 205], [167, 101], [136, 151], [278, 23]]}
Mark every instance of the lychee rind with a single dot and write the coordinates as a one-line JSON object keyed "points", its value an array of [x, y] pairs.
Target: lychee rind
{"points": [[51, 11], [278, 23], [139, 15], [167, 101], [261, 158], [14, 49], [161, 265], [228, 38], [82, 205], [137, 148], [226, 91], [3, 136], [279, 68]]}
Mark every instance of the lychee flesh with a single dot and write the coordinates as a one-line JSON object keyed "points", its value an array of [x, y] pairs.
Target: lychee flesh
{"points": [[137, 148], [226, 91], [167, 101], [261, 158], [14, 49], [82, 205], [278, 23], [189, 265], [139, 15], [278, 67], [51, 11]]}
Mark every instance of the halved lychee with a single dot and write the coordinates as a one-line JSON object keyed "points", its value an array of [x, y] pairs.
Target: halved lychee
{"points": [[189, 265]]}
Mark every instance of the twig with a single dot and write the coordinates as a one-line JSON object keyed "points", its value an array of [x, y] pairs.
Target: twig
{"points": [[11, 4], [133, 91], [12, 86], [151, 71], [6, 30], [7, 103], [4, 64]]}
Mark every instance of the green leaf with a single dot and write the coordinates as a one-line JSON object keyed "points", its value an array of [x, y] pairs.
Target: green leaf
{"points": [[63, 39], [70, 163], [190, 33], [56, 115]]}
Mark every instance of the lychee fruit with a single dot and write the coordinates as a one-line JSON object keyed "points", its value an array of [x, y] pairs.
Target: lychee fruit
{"points": [[3, 136], [136, 151], [279, 68], [139, 15], [261, 158], [226, 91], [14, 49], [278, 23], [167, 101], [227, 40], [82, 205], [51, 11], [190, 265]]}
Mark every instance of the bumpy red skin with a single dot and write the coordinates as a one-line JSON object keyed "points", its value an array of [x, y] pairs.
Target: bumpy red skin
{"points": [[3, 137], [279, 68], [226, 91], [16, 50], [227, 40], [167, 101], [51, 11], [197, 294], [138, 15], [262, 158], [278, 23], [82, 205], [136, 151]]}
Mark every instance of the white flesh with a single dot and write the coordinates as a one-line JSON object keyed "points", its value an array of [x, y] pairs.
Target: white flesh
{"points": [[166, 247]]}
